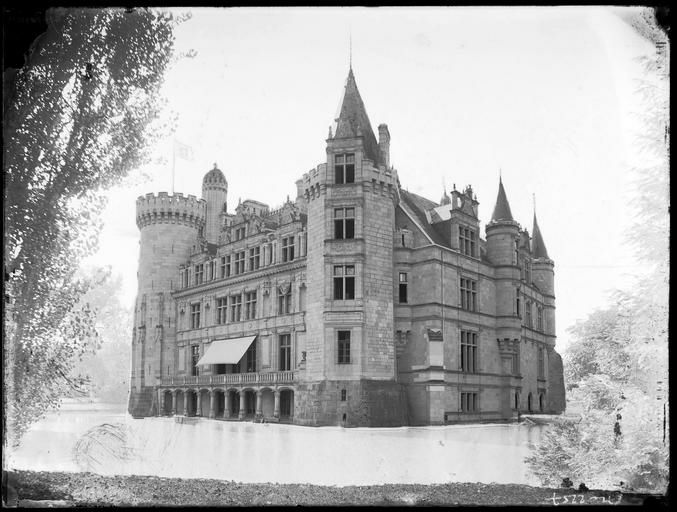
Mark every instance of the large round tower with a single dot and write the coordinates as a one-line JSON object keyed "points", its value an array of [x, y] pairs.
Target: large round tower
{"points": [[169, 226], [215, 193]]}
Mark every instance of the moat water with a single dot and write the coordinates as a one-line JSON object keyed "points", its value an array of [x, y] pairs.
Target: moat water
{"points": [[103, 439]]}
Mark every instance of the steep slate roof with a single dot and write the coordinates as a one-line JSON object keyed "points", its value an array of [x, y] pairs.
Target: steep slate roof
{"points": [[352, 120], [502, 208], [418, 205], [537, 245]]}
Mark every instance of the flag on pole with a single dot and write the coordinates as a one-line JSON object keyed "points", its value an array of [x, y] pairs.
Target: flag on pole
{"points": [[183, 151]]}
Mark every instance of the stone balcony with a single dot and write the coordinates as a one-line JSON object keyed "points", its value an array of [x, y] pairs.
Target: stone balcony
{"points": [[238, 379]]}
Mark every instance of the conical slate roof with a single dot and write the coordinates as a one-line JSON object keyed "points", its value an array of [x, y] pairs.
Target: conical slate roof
{"points": [[352, 119], [502, 208], [538, 249]]}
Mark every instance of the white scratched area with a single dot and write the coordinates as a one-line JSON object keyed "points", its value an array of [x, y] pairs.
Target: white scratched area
{"points": [[278, 453]]}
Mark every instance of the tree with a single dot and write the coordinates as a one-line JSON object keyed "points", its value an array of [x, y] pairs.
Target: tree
{"points": [[106, 370], [79, 116], [617, 360]]}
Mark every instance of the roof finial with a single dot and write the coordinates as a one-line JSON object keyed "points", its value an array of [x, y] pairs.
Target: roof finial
{"points": [[215, 166], [534, 197], [351, 50], [499, 174]]}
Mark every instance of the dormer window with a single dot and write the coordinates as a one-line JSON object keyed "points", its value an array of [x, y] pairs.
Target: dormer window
{"points": [[344, 168], [239, 233]]}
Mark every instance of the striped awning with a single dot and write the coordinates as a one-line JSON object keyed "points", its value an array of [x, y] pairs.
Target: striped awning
{"points": [[226, 351]]}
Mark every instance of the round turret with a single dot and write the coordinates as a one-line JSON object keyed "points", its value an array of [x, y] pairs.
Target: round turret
{"points": [[169, 226], [215, 193], [215, 179]]}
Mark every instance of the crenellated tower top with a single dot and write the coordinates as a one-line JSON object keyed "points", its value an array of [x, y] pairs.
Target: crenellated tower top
{"points": [[164, 208]]}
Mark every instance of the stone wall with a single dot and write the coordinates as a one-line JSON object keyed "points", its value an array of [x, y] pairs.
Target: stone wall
{"points": [[369, 403]]}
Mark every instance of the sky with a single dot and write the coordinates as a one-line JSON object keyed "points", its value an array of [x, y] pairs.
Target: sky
{"points": [[543, 96]]}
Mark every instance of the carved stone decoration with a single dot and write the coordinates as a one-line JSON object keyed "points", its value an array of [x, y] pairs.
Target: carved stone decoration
{"points": [[284, 287]]}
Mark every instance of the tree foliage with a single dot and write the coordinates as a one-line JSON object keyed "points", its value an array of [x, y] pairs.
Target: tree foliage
{"points": [[105, 371], [617, 359], [79, 116]]}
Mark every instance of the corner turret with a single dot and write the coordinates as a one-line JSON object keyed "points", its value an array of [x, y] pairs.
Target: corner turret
{"points": [[215, 193], [543, 271], [503, 233]]}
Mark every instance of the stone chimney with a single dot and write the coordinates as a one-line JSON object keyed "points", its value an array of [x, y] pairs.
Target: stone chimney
{"points": [[384, 144]]}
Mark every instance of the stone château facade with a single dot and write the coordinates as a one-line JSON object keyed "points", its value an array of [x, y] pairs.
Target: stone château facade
{"points": [[358, 303]]}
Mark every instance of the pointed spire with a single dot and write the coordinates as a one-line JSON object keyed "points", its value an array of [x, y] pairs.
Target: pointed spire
{"points": [[350, 58], [502, 208], [352, 120], [538, 249]]}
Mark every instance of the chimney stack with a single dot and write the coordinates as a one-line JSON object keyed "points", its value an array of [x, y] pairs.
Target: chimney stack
{"points": [[384, 144]]}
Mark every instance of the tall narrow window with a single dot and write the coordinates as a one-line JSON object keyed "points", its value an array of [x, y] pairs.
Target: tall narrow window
{"points": [[344, 223], [254, 258], [541, 363], [212, 270], [195, 316], [221, 310], [285, 352], [250, 305], [239, 233], [343, 339], [468, 351], [284, 302], [518, 304], [539, 312], [195, 357], [467, 241], [527, 270], [344, 168], [235, 308], [469, 402], [468, 294], [516, 362], [288, 249], [344, 282], [199, 273], [225, 266], [239, 262], [517, 252], [527, 313], [403, 288]]}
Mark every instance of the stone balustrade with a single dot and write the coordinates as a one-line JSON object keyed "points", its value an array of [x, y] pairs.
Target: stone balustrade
{"points": [[283, 377]]}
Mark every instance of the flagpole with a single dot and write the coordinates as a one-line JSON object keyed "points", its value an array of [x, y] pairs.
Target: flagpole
{"points": [[173, 161]]}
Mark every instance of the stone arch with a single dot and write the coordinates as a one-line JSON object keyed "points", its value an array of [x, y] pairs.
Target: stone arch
{"points": [[219, 402], [203, 404], [530, 401], [517, 400], [267, 401], [167, 402], [541, 402], [233, 399], [192, 401], [180, 397], [249, 396]]}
